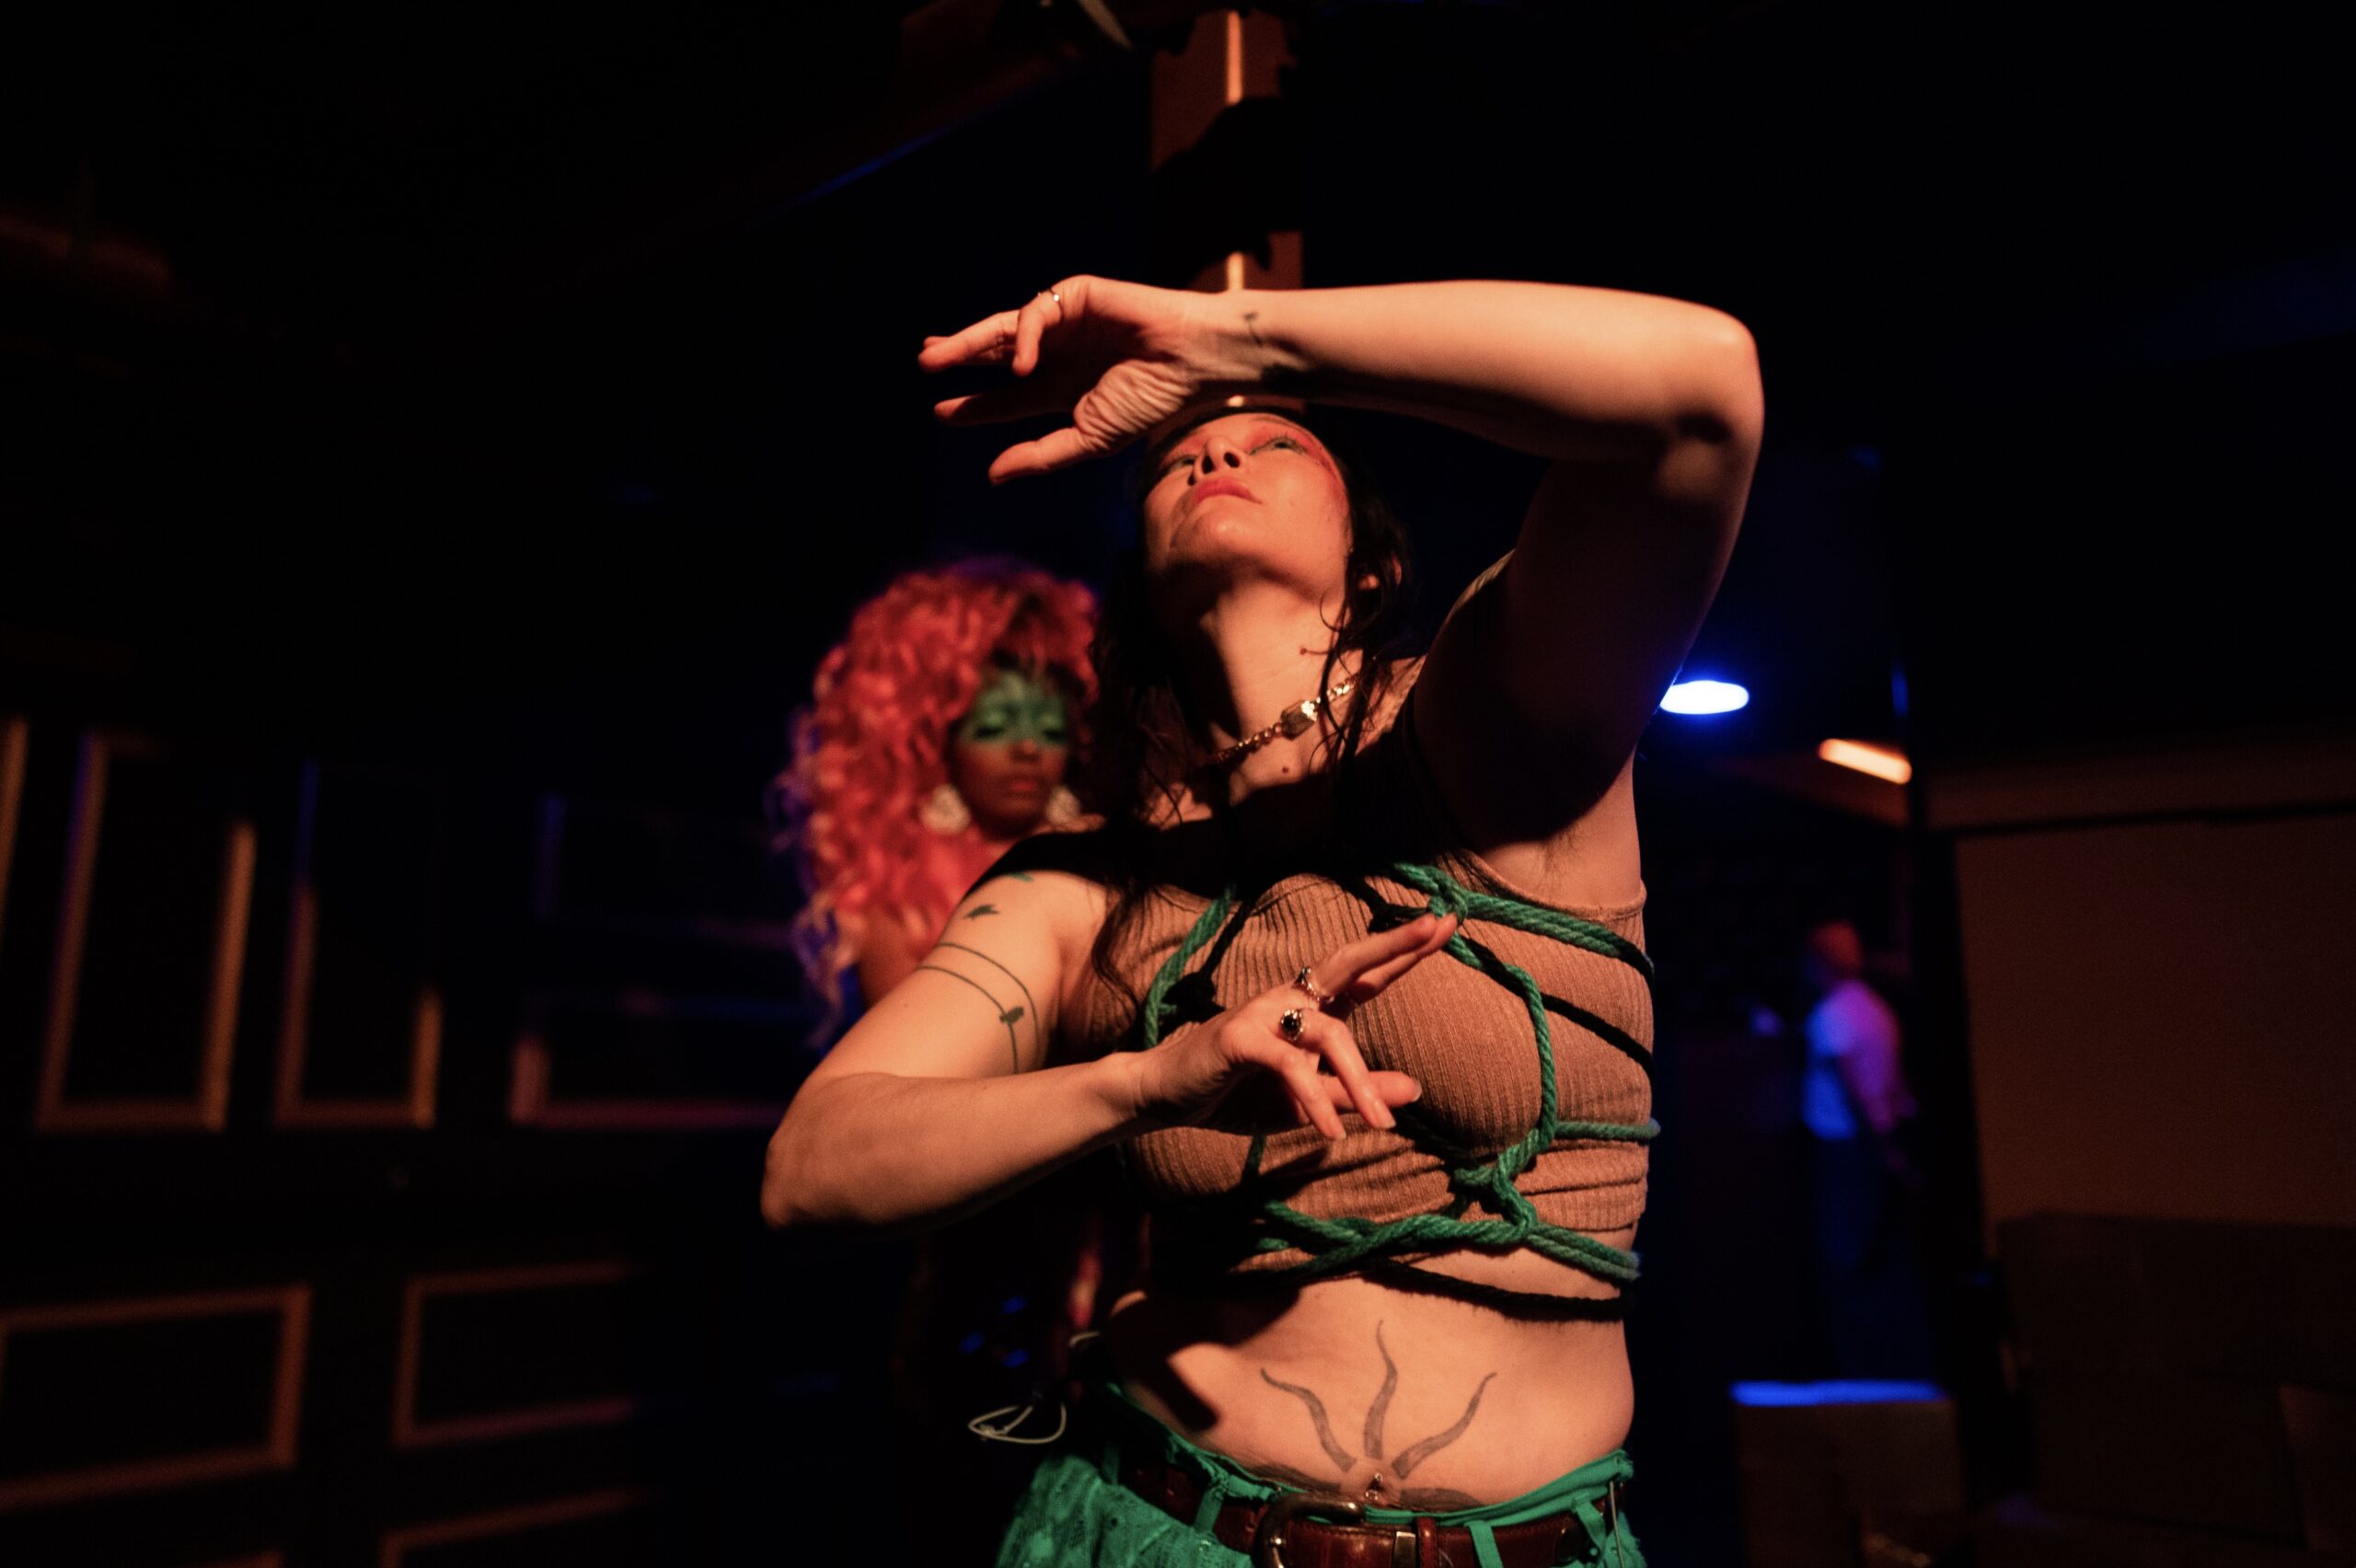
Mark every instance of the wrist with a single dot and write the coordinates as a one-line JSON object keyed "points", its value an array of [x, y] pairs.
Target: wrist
{"points": [[1250, 350], [1118, 1082]]}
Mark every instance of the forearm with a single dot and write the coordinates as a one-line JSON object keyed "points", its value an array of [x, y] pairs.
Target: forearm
{"points": [[1550, 369], [882, 1151]]}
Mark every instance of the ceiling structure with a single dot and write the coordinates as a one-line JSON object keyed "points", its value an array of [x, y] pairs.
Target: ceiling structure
{"points": [[580, 333]]}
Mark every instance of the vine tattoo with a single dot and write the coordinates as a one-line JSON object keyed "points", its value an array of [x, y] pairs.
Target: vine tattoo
{"points": [[1377, 1474], [1008, 1014]]}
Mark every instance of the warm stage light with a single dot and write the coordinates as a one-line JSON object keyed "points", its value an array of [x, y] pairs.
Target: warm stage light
{"points": [[1879, 761], [1696, 698]]}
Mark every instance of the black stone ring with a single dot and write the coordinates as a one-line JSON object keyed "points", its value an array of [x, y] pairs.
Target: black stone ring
{"points": [[1291, 1023]]}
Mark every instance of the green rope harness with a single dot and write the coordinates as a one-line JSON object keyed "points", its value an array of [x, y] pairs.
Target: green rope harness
{"points": [[1339, 1243]]}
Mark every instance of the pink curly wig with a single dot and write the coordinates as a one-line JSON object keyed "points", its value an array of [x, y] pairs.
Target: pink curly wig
{"points": [[873, 744]]}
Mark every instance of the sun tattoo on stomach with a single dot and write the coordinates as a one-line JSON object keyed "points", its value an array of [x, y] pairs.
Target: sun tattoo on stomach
{"points": [[1375, 1473]]}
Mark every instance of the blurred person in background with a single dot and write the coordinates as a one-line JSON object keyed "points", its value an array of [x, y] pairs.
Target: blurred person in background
{"points": [[940, 731], [1864, 1182]]}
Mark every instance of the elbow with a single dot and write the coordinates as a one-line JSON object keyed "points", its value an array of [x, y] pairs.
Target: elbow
{"points": [[1715, 398], [777, 1188], [1727, 406], [785, 1185], [795, 1190]]}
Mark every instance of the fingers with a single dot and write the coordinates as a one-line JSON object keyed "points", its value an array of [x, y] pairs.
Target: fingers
{"points": [[1373, 983], [1363, 968], [986, 342], [1331, 1039], [1057, 449], [1008, 337], [1022, 401], [1297, 1068], [1326, 1042], [1393, 1088], [1042, 311]]}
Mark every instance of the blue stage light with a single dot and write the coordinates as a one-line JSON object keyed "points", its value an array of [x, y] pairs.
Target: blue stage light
{"points": [[1837, 1393], [1693, 698]]}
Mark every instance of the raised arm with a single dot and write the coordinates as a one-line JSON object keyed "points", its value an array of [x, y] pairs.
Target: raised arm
{"points": [[1532, 700], [1649, 408]]}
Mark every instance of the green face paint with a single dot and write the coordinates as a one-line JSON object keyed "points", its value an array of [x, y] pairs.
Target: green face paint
{"points": [[1013, 707]]}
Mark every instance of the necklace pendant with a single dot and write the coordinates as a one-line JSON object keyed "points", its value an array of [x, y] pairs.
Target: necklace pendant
{"points": [[1295, 720]]}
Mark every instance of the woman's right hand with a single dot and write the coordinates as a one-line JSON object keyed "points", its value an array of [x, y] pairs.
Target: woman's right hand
{"points": [[1119, 358], [1238, 1073]]}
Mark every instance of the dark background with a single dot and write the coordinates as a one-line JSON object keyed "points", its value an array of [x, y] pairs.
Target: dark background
{"points": [[439, 446]]}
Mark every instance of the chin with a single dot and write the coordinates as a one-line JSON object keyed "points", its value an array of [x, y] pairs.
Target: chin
{"points": [[1014, 827], [1207, 561]]}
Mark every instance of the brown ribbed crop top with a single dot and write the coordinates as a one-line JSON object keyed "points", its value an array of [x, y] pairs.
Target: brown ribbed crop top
{"points": [[1465, 1037]]}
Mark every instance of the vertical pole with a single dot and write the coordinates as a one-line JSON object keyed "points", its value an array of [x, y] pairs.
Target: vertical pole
{"points": [[1228, 58]]}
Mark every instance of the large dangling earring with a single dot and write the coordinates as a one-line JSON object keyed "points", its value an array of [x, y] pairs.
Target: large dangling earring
{"points": [[1063, 807], [944, 811]]}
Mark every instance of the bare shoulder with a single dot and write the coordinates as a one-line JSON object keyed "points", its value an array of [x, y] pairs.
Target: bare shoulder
{"points": [[1055, 880], [1049, 894], [987, 997]]}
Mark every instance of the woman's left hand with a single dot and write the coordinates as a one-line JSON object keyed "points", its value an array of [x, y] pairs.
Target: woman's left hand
{"points": [[1120, 358]]}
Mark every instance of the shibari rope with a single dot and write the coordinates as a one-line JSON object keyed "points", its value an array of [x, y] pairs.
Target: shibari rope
{"points": [[1512, 1220]]}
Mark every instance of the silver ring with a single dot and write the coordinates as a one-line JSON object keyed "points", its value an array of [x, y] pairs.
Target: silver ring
{"points": [[1290, 1024], [1050, 293], [1304, 983]]}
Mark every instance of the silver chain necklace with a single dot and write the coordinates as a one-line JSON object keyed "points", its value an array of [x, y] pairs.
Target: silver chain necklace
{"points": [[1294, 721]]}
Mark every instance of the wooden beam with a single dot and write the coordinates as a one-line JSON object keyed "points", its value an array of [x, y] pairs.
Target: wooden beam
{"points": [[1227, 59]]}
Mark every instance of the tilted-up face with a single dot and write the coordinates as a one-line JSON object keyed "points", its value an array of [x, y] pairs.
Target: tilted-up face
{"points": [[1245, 494], [1009, 752]]}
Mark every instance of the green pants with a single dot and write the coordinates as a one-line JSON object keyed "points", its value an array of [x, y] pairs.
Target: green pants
{"points": [[1078, 1514]]}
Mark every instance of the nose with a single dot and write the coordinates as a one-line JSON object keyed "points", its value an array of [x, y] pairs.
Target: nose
{"points": [[1218, 453], [1025, 746]]}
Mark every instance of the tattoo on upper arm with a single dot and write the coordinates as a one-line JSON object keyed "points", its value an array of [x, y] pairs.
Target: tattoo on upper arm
{"points": [[978, 910], [1029, 1009], [1010, 1013], [1373, 1476]]}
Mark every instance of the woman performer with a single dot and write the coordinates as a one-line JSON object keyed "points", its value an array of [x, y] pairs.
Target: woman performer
{"points": [[1352, 975], [938, 733]]}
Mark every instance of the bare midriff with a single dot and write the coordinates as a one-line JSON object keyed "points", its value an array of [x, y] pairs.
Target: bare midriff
{"points": [[1392, 1397]]}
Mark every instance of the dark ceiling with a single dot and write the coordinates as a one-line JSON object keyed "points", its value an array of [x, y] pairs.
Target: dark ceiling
{"points": [[540, 384]]}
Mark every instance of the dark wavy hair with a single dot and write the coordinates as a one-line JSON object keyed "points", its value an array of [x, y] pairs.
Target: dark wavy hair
{"points": [[1145, 734]]}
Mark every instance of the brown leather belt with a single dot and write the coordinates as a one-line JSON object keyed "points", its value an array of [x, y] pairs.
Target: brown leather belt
{"points": [[1303, 1530]]}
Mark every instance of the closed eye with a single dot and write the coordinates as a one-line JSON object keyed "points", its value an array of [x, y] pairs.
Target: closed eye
{"points": [[1187, 459]]}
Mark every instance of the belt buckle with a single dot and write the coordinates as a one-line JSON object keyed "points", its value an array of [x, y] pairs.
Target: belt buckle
{"points": [[1268, 1536]]}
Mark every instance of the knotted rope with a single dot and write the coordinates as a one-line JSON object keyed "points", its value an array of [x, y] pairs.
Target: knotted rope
{"points": [[1332, 1245]]}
